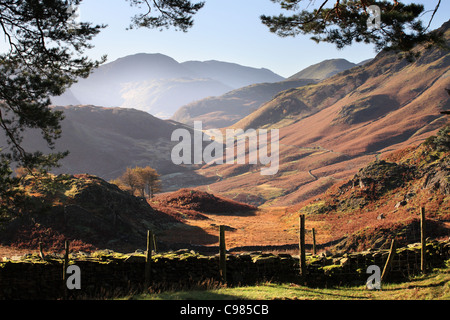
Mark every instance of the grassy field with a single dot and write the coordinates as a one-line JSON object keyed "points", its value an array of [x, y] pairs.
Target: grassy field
{"points": [[433, 286]]}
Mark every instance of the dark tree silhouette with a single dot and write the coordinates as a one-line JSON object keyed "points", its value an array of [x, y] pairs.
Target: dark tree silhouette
{"points": [[343, 22]]}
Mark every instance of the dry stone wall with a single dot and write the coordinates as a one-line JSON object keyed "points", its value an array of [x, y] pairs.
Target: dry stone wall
{"points": [[109, 274]]}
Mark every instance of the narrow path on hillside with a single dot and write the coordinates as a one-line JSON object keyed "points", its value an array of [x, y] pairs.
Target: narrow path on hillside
{"points": [[312, 175]]}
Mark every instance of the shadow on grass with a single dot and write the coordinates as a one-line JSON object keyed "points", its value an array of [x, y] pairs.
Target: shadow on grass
{"points": [[187, 295], [268, 291], [332, 293], [417, 286]]}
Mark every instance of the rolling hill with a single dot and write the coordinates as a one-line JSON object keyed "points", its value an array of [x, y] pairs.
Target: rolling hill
{"points": [[223, 111], [105, 141], [365, 210], [94, 214], [328, 130]]}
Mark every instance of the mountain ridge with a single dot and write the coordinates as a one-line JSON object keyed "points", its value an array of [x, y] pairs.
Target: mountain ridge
{"points": [[105, 141], [222, 111], [149, 81], [224, 72], [323, 69]]}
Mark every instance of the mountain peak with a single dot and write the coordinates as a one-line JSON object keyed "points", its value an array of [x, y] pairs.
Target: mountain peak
{"points": [[324, 69], [145, 57]]}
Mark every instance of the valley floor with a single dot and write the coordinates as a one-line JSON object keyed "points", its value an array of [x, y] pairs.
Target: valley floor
{"points": [[264, 227]]}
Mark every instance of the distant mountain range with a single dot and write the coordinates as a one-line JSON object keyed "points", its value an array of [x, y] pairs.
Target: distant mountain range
{"points": [[158, 84], [231, 74], [336, 165]]}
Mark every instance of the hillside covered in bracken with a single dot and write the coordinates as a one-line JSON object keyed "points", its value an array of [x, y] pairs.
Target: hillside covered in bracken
{"points": [[330, 129], [191, 203], [383, 200]]}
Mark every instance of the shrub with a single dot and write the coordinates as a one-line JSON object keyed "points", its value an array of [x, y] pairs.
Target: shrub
{"points": [[440, 142]]}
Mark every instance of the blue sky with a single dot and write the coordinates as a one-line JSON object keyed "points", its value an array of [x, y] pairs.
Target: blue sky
{"points": [[226, 30]]}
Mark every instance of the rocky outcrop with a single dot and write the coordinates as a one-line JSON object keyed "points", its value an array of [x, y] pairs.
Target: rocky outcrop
{"points": [[384, 176], [438, 179]]}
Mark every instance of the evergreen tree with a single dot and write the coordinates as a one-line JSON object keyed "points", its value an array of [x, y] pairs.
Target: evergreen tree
{"points": [[44, 57], [344, 22], [162, 14]]}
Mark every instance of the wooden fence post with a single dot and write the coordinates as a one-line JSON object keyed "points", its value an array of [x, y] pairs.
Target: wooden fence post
{"points": [[66, 260], [65, 266], [387, 266], [314, 241], [41, 252], [222, 254], [302, 245], [148, 260], [422, 240]]}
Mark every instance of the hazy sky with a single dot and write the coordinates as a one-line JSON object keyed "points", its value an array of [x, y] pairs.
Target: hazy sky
{"points": [[226, 30]]}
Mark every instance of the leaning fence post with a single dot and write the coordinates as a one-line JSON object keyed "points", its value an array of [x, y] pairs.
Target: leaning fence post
{"points": [[222, 254], [387, 266], [422, 240], [302, 245], [148, 259], [41, 252]]}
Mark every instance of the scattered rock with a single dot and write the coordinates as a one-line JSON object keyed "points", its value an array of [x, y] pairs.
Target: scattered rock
{"points": [[438, 180], [324, 254], [401, 203], [409, 195], [344, 262]]}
